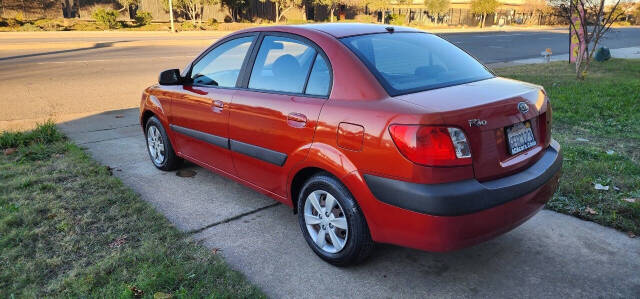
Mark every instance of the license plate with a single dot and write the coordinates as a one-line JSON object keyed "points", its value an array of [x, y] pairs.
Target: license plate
{"points": [[520, 137]]}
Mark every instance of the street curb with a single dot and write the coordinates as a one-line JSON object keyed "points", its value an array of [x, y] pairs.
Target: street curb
{"points": [[619, 53]]}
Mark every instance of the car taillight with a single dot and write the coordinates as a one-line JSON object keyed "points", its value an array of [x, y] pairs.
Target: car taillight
{"points": [[432, 145]]}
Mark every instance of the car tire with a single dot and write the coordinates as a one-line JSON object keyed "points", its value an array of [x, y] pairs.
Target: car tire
{"points": [[353, 244], [159, 146]]}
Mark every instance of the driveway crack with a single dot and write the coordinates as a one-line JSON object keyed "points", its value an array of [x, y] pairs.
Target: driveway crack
{"points": [[113, 128], [107, 139], [198, 230]]}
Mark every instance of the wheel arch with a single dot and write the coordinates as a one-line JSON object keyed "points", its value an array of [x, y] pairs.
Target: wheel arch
{"points": [[146, 115], [298, 181], [322, 158]]}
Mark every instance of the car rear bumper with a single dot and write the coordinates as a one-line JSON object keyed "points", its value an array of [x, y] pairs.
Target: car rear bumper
{"points": [[450, 216], [468, 196]]}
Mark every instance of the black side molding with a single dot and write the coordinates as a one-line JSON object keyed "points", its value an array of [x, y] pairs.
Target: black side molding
{"points": [[208, 138], [260, 153], [468, 196]]}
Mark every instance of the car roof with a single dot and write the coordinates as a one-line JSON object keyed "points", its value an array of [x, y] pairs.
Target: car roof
{"points": [[339, 30]]}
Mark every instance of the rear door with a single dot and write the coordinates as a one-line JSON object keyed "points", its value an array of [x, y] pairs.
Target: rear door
{"points": [[200, 112], [272, 121]]}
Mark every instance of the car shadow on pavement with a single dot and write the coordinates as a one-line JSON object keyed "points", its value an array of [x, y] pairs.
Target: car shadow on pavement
{"points": [[551, 255], [95, 46]]}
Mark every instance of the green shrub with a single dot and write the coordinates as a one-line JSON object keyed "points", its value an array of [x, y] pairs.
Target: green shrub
{"points": [[50, 24], [143, 18], [13, 23], [106, 18], [19, 17], [84, 26], [186, 26], [44, 134], [622, 23], [396, 19], [29, 27], [212, 24]]}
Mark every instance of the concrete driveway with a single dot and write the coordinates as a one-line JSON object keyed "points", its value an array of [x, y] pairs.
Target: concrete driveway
{"points": [[552, 255]]}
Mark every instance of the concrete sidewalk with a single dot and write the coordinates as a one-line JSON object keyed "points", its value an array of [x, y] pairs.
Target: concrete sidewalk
{"points": [[551, 255]]}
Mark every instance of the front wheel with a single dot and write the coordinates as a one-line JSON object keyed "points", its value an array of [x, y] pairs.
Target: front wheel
{"points": [[159, 147], [332, 223]]}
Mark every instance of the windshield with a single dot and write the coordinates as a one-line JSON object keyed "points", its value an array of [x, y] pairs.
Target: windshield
{"points": [[412, 62]]}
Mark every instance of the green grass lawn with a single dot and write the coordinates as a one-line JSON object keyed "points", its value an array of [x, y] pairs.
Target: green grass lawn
{"points": [[605, 110], [70, 229]]}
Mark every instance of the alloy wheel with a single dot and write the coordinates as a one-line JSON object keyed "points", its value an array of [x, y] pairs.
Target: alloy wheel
{"points": [[326, 221], [155, 145]]}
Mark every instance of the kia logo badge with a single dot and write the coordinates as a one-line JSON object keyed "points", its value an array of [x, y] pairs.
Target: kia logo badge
{"points": [[523, 107]]}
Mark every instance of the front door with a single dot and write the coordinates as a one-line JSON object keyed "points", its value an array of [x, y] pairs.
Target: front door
{"points": [[273, 119], [200, 114]]}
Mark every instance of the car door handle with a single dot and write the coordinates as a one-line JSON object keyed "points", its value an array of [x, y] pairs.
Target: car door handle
{"points": [[296, 120], [217, 106]]}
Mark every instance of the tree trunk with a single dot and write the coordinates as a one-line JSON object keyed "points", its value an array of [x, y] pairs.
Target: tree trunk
{"points": [[201, 12], [304, 11], [192, 12], [331, 13]]}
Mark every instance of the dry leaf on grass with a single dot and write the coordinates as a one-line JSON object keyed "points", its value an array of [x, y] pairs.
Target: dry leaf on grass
{"points": [[136, 292], [591, 211], [10, 151], [118, 242], [631, 200]]}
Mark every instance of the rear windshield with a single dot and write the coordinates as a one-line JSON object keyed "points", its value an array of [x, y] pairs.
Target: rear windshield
{"points": [[412, 62]]}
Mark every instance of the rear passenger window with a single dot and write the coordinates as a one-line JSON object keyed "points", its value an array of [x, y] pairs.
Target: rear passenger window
{"points": [[320, 79], [282, 64]]}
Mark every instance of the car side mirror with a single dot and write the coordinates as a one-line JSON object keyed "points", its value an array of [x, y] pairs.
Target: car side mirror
{"points": [[170, 77]]}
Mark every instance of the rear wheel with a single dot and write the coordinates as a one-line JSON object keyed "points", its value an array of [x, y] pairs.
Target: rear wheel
{"points": [[159, 147], [332, 223]]}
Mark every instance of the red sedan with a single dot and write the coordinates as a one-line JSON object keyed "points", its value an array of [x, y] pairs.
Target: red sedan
{"points": [[370, 133]]}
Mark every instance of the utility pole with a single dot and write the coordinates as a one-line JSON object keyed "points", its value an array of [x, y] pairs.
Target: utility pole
{"points": [[173, 29]]}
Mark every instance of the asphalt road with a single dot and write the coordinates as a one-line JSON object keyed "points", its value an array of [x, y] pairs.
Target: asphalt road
{"points": [[552, 255], [492, 47]]}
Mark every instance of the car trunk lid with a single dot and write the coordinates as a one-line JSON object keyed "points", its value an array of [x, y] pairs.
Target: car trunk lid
{"points": [[483, 109]]}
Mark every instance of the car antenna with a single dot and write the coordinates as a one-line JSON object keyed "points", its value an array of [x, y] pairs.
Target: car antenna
{"points": [[390, 29]]}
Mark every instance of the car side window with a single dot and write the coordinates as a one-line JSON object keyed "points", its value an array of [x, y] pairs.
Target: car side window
{"points": [[282, 64], [222, 65], [319, 79]]}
